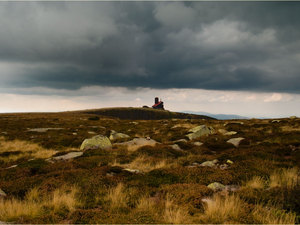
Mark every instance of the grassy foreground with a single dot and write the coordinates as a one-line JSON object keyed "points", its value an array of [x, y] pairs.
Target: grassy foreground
{"points": [[169, 188]]}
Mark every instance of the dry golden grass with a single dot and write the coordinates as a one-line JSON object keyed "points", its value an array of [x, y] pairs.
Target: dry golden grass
{"points": [[146, 204], [267, 215], [256, 182], [220, 209], [32, 205], [117, 196], [145, 164], [27, 149], [285, 178], [175, 214]]}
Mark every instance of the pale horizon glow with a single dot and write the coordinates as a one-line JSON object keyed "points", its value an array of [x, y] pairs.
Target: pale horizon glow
{"points": [[249, 104]]}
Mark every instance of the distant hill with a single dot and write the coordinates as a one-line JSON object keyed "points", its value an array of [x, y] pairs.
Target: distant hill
{"points": [[133, 113], [219, 116]]}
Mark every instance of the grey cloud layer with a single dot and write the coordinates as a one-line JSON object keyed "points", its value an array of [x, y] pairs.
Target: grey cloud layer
{"points": [[209, 45]]}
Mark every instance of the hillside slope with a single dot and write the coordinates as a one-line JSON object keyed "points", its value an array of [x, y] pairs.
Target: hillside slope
{"points": [[132, 113]]}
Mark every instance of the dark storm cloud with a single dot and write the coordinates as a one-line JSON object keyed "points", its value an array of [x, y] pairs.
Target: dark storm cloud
{"points": [[209, 45]]}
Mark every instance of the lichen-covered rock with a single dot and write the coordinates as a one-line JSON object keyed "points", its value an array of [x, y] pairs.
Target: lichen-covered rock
{"points": [[2, 193], [216, 186], [96, 142], [235, 141], [199, 131], [117, 136], [229, 161]]}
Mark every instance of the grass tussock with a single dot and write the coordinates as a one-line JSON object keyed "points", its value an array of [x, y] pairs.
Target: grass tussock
{"points": [[220, 209], [146, 164], [34, 202], [256, 182], [268, 215], [24, 148], [117, 196], [288, 178], [175, 214]]}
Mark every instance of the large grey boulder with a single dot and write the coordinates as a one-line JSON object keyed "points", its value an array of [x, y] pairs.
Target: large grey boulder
{"points": [[96, 142], [235, 141], [199, 131], [117, 136], [2, 193]]}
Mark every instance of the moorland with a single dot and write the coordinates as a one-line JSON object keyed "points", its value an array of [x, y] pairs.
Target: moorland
{"points": [[173, 173]]}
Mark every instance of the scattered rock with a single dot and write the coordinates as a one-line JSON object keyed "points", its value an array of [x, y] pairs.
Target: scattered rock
{"points": [[96, 142], [197, 143], [182, 125], [91, 132], [232, 188], [222, 131], [175, 147], [235, 141], [180, 140], [4, 132], [2, 193], [117, 136], [43, 130], [229, 161], [74, 134], [229, 133], [212, 163], [134, 123], [200, 131], [137, 143], [233, 122], [132, 170], [70, 155], [216, 186], [275, 121], [223, 166], [13, 166]]}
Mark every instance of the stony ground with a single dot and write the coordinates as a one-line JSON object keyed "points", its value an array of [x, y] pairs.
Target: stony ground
{"points": [[156, 171]]}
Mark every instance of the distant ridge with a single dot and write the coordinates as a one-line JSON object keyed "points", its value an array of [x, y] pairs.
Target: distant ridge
{"points": [[219, 116], [135, 113]]}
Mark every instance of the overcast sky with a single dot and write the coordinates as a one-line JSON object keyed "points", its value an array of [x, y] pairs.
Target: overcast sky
{"points": [[220, 57]]}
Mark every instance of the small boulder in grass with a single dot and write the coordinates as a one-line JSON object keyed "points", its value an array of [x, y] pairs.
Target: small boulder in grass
{"points": [[216, 186], [2, 193], [96, 142]]}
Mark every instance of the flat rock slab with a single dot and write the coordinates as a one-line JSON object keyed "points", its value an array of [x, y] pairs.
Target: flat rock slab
{"points": [[175, 147], [137, 143], [43, 130], [235, 141], [70, 155], [229, 133]]}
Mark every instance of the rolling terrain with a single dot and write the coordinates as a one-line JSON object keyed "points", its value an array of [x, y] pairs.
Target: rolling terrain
{"points": [[155, 170]]}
